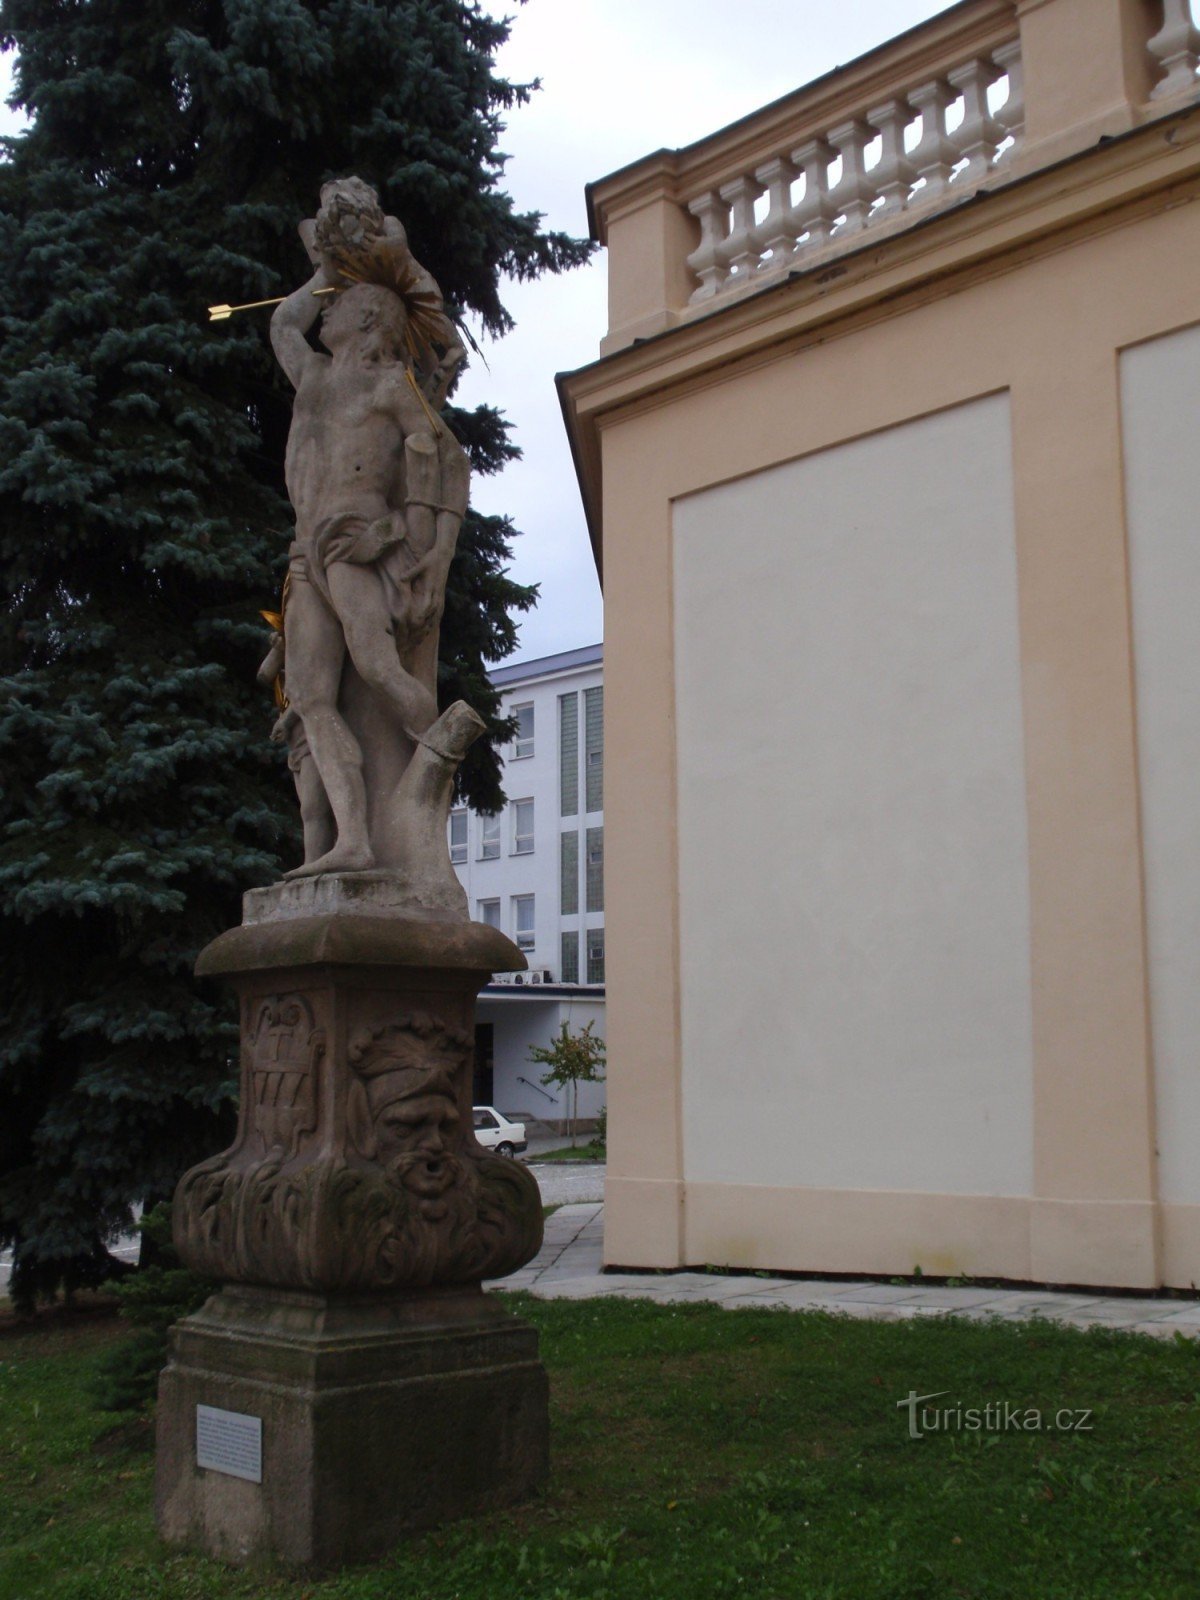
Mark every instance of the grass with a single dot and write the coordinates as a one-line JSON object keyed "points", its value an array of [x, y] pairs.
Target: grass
{"points": [[582, 1152], [698, 1454]]}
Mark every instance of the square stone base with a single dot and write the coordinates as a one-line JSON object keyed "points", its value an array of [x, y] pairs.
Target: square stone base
{"points": [[380, 1415]]}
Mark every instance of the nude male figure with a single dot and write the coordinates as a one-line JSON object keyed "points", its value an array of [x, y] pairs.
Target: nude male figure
{"points": [[379, 488]]}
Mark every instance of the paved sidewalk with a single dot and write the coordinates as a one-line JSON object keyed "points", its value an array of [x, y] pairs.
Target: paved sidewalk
{"points": [[568, 1182], [569, 1265]]}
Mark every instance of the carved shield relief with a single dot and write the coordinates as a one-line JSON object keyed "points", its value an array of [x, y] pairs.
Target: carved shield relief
{"points": [[286, 1046]]}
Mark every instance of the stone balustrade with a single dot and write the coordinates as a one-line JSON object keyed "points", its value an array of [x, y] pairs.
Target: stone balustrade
{"points": [[918, 150], [1176, 50], [925, 147], [984, 93]]}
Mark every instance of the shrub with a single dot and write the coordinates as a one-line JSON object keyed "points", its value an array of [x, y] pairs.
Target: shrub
{"points": [[152, 1299]]}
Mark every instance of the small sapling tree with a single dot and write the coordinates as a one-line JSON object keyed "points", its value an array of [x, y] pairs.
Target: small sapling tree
{"points": [[573, 1058]]}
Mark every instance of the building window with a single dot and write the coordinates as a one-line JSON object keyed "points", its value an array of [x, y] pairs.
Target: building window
{"points": [[523, 827], [595, 869], [570, 958], [593, 744], [458, 837], [523, 743], [489, 838], [568, 755], [488, 913], [523, 920], [595, 955], [568, 873]]}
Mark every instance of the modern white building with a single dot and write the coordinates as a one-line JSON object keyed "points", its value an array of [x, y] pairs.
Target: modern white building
{"points": [[536, 871]]}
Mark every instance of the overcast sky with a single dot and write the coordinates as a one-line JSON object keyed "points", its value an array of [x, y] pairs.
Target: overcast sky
{"points": [[620, 78]]}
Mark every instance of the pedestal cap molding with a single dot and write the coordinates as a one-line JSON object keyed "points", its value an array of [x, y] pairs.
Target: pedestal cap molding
{"points": [[341, 940]]}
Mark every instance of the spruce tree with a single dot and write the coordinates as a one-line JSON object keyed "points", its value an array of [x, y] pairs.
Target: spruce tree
{"points": [[173, 147]]}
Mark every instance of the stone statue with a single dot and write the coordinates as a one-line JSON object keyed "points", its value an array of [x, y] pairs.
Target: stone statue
{"points": [[354, 1218], [379, 486]]}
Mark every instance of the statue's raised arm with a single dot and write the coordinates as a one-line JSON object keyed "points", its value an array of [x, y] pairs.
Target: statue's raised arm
{"points": [[290, 324]]}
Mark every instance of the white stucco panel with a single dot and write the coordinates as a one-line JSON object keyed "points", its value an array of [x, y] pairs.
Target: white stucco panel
{"points": [[1160, 405], [854, 895]]}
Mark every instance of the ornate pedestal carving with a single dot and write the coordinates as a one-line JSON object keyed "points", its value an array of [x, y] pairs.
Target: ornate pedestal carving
{"points": [[355, 1214]]}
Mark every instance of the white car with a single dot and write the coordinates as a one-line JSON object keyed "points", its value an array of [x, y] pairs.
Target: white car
{"points": [[495, 1132]]}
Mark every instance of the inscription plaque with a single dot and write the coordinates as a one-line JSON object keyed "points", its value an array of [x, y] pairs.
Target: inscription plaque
{"points": [[230, 1442]]}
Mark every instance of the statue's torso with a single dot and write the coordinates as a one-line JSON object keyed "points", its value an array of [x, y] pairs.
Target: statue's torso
{"points": [[345, 453]]}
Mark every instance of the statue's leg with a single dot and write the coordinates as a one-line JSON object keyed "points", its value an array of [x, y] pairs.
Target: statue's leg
{"points": [[368, 628], [316, 816], [315, 654]]}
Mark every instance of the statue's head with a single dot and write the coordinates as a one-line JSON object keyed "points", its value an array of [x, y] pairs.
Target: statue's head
{"points": [[368, 318]]}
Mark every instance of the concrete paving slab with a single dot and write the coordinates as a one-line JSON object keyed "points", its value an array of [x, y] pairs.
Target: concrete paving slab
{"points": [[1182, 1315], [880, 1294], [1125, 1311], [1021, 1305], [956, 1299], [723, 1288], [570, 1267]]}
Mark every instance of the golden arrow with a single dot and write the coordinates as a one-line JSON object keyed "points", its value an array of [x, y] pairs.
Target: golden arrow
{"points": [[219, 313]]}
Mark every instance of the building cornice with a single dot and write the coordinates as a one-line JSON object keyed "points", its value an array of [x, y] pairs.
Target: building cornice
{"points": [[1148, 168]]}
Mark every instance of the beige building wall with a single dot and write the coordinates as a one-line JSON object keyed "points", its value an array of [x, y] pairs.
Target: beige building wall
{"points": [[931, 501], [1160, 404], [854, 882]]}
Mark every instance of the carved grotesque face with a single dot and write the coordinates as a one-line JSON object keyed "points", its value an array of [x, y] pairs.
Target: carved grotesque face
{"points": [[414, 1119], [416, 1128], [408, 1115], [368, 317]]}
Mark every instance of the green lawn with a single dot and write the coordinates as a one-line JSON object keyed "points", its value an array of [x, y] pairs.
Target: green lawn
{"points": [[579, 1152], [698, 1453]]}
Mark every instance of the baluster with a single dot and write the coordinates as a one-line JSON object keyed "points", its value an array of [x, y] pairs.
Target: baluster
{"points": [[813, 213], [740, 248], [934, 156], [854, 191], [1175, 48], [705, 260], [979, 133], [1011, 115], [775, 230], [895, 174]]}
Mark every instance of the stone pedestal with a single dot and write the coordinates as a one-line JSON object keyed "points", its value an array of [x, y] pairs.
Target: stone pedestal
{"points": [[351, 1361], [379, 1415]]}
